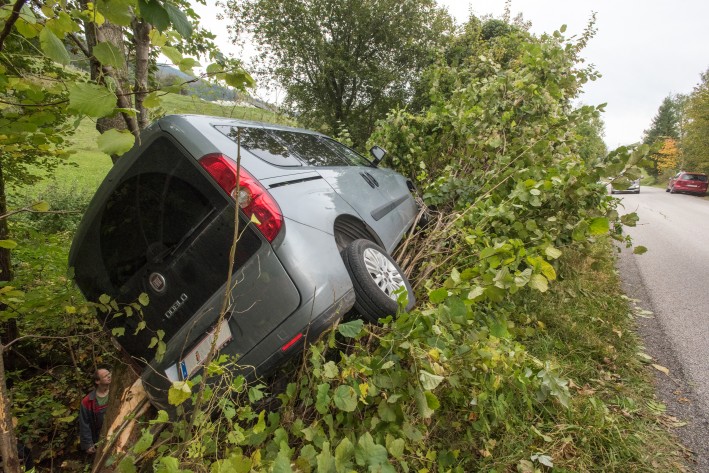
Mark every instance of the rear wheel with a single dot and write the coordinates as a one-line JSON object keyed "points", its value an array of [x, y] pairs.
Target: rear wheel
{"points": [[377, 280]]}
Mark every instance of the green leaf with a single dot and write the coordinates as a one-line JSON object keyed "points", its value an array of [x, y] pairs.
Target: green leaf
{"points": [[539, 282], [322, 398], [431, 400], [8, 244], [154, 13], [171, 465], [351, 329], [282, 463], [239, 80], [127, 465], [639, 250], [330, 370], [422, 404], [261, 423], [547, 270], [118, 331], [53, 47], [429, 381], [179, 20], [41, 206], [108, 54], [629, 220], [552, 252], [152, 100], [370, 453], [161, 418], [325, 460], [396, 448], [116, 142], [119, 12], [438, 295], [345, 398], [91, 99], [144, 442], [172, 54], [599, 226], [344, 452], [179, 392], [144, 299]]}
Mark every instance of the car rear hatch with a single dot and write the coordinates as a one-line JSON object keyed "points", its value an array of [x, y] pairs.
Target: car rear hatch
{"points": [[693, 182], [160, 225]]}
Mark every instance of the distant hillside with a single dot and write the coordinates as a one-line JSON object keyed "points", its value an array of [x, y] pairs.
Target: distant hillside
{"points": [[208, 91]]}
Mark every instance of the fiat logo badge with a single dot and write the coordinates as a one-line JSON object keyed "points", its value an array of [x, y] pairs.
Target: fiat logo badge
{"points": [[157, 282]]}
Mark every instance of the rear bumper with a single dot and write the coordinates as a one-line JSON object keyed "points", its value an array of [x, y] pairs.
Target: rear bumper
{"points": [[690, 190], [266, 356]]}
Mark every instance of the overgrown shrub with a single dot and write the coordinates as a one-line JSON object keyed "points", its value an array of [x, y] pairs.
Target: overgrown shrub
{"points": [[66, 204]]}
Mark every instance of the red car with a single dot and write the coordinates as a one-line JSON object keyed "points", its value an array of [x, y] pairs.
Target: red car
{"points": [[689, 182]]}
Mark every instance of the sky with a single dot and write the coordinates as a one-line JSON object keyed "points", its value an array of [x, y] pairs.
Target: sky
{"points": [[645, 50]]}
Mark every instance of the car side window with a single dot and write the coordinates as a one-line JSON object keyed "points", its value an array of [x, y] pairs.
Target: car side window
{"points": [[352, 156], [311, 149], [261, 143]]}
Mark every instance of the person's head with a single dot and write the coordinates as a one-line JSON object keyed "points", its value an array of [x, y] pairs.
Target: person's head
{"points": [[102, 377]]}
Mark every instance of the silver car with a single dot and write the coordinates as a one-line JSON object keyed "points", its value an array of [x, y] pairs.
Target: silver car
{"points": [[318, 222]]}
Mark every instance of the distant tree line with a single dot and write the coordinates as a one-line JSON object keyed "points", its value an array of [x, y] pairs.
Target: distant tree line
{"points": [[679, 132]]}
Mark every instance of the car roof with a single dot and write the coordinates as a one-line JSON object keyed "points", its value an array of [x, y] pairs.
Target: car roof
{"points": [[206, 120]]}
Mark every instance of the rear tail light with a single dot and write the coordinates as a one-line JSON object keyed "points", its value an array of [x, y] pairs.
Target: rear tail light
{"points": [[251, 196]]}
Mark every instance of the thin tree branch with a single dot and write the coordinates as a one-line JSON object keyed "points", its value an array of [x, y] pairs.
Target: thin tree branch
{"points": [[10, 22]]}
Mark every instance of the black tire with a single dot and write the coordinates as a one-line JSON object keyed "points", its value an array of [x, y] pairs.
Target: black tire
{"points": [[667, 189], [372, 300]]}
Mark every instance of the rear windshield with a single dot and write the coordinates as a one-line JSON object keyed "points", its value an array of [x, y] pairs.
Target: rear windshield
{"points": [[147, 216], [694, 177]]}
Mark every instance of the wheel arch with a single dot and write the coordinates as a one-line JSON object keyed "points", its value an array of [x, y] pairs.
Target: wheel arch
{"points": [[349, 228]]}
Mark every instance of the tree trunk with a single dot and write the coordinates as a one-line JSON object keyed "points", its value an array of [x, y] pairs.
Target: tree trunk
{"points": [[113, 34], [5, 261], [141, 40], [127, 402], [9, 327], [8, 441]]}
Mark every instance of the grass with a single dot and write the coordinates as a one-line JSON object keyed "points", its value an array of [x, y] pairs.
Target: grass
{"points": [[586, 326]]}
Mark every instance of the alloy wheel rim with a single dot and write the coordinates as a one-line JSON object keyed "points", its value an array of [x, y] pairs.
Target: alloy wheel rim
{"points": [[383, 273]]}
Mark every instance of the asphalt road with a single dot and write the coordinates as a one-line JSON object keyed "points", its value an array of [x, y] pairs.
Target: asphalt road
{"points": [[672, 281]]}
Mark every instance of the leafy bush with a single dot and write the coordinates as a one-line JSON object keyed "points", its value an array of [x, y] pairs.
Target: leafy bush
{"points": [[67, 203]]}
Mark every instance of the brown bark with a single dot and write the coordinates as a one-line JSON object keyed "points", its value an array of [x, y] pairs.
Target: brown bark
{"points": [[113, 34], [8, 329], [141, 40], [127, 403], [8, 441]]}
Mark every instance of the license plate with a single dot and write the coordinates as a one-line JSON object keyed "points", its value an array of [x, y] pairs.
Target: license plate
{"points": [[196, 357], [692, 185]]}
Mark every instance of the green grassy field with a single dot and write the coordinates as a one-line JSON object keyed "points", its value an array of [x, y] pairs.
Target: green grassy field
{"points": [[88, 166]]}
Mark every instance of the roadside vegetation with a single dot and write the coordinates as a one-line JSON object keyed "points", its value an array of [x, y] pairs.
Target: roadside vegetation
{"points": [[520, 356], [678, 134]]}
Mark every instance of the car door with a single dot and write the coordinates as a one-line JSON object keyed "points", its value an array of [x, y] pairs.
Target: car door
{"points": [[357, 182]]}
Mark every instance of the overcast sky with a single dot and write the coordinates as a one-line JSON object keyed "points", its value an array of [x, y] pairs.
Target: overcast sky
{"points": [[644, 49]]}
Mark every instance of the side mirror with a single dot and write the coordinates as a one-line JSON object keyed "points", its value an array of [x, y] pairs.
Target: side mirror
{"points": [[378, 154]]}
